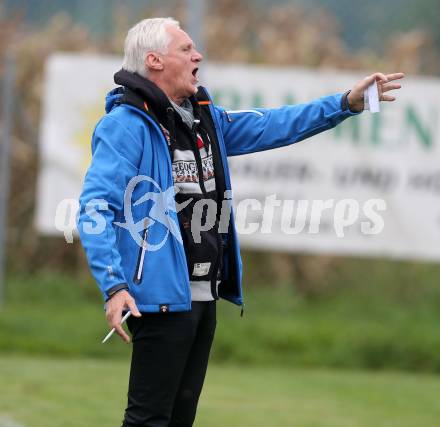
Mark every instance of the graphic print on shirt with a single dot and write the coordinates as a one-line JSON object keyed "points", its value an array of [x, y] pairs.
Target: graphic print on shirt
{"points": [[185, 172]]}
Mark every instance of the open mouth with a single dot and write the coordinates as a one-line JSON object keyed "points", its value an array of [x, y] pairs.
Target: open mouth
{"points": [[194, 72]]}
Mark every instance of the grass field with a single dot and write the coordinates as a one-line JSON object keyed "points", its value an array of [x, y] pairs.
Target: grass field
{"points": [[290, 361], [277, 329], [42, 392]]}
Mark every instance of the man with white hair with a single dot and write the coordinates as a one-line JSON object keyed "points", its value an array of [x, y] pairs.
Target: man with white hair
{"points": [[159, 178]]}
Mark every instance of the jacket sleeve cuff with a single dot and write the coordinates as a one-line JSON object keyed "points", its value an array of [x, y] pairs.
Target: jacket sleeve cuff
{"points": [[114, 289]]}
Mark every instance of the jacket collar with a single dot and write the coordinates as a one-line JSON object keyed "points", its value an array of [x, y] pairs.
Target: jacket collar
{"points": [[146, 95]]}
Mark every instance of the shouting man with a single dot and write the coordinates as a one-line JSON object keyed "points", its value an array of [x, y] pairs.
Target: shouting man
{"points": [[159, 178]]}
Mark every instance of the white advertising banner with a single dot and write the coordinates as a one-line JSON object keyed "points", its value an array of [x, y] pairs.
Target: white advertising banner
{"points": [[369, 187]]}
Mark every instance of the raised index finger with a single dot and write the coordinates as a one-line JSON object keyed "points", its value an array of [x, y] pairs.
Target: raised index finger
{"points": [[395, 76], [380, 76]]}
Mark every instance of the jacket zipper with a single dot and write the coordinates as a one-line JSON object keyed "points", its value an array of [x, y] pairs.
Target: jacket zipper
{"points": [[141, 257]]}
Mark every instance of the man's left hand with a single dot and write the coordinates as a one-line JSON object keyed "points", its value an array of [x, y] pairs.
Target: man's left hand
{"points": [[384, 84]]}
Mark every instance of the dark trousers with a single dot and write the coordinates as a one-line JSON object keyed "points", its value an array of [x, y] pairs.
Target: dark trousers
{"points": [[168, 366]]}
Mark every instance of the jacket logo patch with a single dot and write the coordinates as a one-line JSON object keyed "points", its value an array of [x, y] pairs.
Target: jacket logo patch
{"points": [[164, 308]]}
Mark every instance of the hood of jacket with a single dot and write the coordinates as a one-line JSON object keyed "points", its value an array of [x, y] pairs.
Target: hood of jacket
{"points": [[112, 98], [143, 94]]}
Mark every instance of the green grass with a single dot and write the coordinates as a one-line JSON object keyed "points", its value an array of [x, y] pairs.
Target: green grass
{"points": [[43, 392], [347, 330], [392, 326]]}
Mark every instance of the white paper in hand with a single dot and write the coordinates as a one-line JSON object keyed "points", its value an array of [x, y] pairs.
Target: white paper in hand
{"points": [[371, 98]]}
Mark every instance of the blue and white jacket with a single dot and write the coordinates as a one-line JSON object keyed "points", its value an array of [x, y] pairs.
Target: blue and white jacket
{"points": [[128, 190]]}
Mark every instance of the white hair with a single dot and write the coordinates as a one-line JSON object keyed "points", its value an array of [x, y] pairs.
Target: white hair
{"points": [[148, 35]]}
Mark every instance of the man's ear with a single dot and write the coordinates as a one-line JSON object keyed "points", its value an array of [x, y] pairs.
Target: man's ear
{"points": [[153, 61]]}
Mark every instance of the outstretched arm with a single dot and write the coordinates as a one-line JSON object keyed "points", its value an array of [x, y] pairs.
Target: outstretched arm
{"points": [[249, 131]]}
